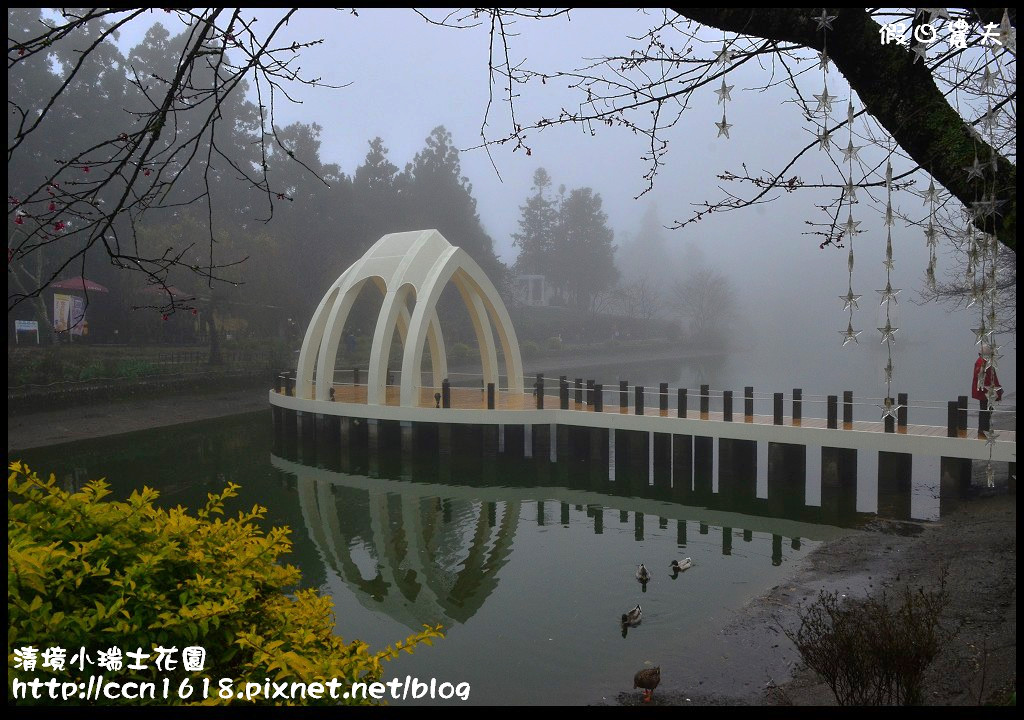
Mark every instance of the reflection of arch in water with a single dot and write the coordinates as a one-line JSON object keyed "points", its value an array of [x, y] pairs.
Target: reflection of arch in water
{"points": [[410, 584]]}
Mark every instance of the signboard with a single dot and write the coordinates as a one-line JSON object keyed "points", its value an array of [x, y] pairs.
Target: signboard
{"points": [[21, 326], [61, 312], [77, 315]]}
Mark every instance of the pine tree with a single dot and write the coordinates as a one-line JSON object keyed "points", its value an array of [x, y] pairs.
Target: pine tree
{"points": [[583, 261], [537, 224]]}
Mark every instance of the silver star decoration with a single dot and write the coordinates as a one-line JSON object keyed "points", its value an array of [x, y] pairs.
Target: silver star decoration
{"points": [[987, 80], [849, 114], [929, 276], [723, 127], [824, 101], [976, 293], [725, 55], [1007, 33], [850, 300], [888, 332], [974, 171], [990, 437], [931, 194], [824, 140], [890, 409], [850, 335], [992, 393], [889, 294], [990, 119], [920, 51], [983, 208], [849, 260], [890, 220], [850, 191], [931, 235], [850, 227], [973, 132], [850, 152], [825, 20], [823, 60], [932, 13], [888, 176], [888, 263], [723, 92], [889, 370], [981, 333], [991, 358]]}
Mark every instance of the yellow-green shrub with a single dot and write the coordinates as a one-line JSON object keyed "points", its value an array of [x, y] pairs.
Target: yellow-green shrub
{"points": [[84, 571]]}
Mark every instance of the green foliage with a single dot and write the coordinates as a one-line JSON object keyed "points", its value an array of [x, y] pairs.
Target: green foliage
{"points": [[872, 651], [134, 368], [84, 571]]}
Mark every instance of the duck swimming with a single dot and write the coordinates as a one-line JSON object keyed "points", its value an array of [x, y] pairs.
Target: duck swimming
{"points": [[643, 575], [633, 617], [679, 566]]}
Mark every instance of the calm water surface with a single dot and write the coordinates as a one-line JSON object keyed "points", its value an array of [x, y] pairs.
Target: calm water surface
{"points": [[528, 570]]}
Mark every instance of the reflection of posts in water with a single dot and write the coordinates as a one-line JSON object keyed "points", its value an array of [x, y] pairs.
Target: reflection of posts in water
{"points": [[776, 550], [703, 528], [638, 526], [894, 485], [727, 541], [598, 459], [596, 512], [737, 473], [681, 533], [748, 536], [564, 519], [540, 513]]}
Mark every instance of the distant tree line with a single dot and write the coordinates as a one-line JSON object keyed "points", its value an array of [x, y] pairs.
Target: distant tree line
{"points": [[269, 262]]}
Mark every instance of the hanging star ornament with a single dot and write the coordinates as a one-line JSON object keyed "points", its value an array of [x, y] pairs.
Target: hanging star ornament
{"points": [[890, 409], [988, 81], [850, 300], [850, 226], [1007, 34], [824, 101], [824, 139], [725, 55], [931, 235], [889, 370], [851, 152], [850, 191], [823, 60], [723, 92], [981, 333], [974, 171], [824, 20], [920, 51], [931, 194], [990, 437], [888, 332], [889, 293], [723, 127], [992, 394], [849, 335], [890, 219]]}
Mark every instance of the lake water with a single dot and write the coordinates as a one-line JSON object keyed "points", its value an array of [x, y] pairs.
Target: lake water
{"points": [[528, 565]]}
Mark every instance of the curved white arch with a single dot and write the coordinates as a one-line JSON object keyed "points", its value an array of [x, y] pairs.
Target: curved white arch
{"points": [[412, 266]]}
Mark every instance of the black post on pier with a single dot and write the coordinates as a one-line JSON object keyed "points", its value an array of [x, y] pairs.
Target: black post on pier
{"points": [[681, 403], [748, 403], [563, 393], [638, 400], [847, 407], [623, 395], [777, 408], [355, 376], [798, 405], [538, 388], [490, 396], [705, 399], [889, 422], [663, 398], [727, 405], [590, 394], [833, 411], [598, 397], [446, 393], [579, 391], [961, 405], [901, 414]]}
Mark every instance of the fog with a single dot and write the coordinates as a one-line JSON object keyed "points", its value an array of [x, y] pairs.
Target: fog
{"points": [[403, 76]]}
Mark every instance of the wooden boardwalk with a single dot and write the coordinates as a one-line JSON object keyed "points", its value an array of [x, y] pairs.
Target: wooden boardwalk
{"points": [[474, 399]]}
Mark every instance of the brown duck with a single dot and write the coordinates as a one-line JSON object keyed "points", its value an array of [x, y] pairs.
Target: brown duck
{"points": [[647, 680]]}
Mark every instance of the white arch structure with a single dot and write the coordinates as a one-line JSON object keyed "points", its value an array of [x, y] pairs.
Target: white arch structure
{"points": [[408, 267]]}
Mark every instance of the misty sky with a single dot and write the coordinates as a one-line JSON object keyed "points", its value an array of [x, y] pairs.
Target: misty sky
{"points": [[405, 77]]}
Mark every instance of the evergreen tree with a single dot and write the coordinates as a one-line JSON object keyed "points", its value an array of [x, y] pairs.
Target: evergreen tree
{"points": [[583, 260], [537, 224]]}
